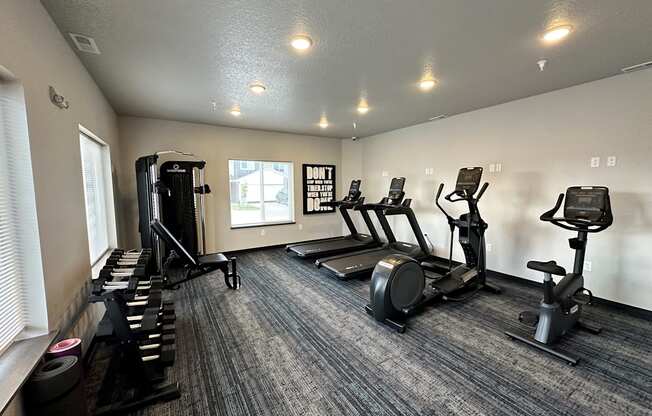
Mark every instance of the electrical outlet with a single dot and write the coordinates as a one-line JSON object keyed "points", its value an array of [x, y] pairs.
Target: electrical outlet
{"points": [[595, 162], [611, 161], [492, 168], [385, 173], [262, 232], [300, 227], [587, 265], [490, 247]]}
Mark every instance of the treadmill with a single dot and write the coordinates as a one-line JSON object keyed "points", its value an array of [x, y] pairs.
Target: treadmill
{"points": [[353, 242], [363, 262]]}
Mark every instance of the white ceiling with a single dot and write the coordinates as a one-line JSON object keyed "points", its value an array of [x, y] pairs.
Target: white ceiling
{"points": [[169, 59]]}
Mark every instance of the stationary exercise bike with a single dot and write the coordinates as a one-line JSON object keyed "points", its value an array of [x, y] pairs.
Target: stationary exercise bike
{"points": [[400, 285], [587, 210]]}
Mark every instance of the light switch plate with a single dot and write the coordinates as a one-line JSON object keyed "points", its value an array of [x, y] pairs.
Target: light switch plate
{"points": [[611, 161], [595, 162]]}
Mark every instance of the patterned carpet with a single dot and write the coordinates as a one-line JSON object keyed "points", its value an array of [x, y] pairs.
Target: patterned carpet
{"points": [[295, 342]]}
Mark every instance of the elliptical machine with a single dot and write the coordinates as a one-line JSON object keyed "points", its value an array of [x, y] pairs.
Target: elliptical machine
{"points": [[587, 210], [398, 284]]}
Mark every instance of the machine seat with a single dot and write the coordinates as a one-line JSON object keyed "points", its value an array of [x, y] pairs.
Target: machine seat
{"points": [[212, 259], [547, 267]]}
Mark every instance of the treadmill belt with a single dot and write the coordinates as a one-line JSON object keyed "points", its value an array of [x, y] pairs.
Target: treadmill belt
{"points": [[331, 246], [349, 266]]}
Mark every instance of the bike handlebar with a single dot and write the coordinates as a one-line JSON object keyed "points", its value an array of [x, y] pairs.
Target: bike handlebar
{"points": [[576, 224]]}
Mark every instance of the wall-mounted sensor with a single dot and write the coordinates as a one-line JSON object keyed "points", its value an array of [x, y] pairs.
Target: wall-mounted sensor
{"points": [[541, 63], [58, 100]]}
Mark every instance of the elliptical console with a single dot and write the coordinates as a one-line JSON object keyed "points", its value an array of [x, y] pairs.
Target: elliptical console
{"points": [[587, 210]]}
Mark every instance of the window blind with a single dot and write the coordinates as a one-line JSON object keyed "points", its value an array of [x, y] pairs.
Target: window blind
{"points": [[16, 189], [95, 171]]}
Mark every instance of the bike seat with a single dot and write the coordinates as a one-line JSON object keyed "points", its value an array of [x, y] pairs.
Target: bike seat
{"points": [[547, 267]]}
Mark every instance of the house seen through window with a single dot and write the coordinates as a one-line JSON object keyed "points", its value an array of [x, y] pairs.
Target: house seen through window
{"points": [[261, 192]]}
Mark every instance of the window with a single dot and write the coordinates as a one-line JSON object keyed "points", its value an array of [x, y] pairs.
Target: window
{"points": [[22, 293], [261, 195], [247, 165], [96, 171]]}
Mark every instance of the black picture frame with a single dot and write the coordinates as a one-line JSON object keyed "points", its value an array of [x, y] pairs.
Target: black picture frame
{"points": [[317, 189]]}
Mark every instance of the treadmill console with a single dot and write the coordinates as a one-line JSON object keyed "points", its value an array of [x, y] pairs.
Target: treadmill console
{"points": [[354, 191], [396, 194], [589, 203], [468, 181]]}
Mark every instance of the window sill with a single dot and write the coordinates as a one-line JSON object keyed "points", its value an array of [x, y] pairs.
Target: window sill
{"points": [[269, 224], [18, 362], [99, 264]]}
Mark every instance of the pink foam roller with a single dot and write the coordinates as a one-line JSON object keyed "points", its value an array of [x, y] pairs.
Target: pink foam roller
{"points": [[71, 346]]}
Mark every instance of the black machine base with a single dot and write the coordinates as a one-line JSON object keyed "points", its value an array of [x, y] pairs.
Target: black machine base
{"points": [[431, 295], [161, 393], [570, 359], [397, 326]]}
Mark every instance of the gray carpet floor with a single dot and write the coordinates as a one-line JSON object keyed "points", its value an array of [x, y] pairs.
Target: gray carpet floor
{"points": [[294, 341]]}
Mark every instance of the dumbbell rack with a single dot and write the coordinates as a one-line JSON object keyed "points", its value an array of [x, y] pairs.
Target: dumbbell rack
{"points": [[140, 327]]}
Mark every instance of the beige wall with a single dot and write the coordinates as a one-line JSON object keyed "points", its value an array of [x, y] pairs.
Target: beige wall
{"points": [[544, 144], [216, 145], [33, 49]]}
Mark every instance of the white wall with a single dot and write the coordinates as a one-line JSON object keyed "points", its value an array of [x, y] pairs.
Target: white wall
{"points": [[216, 145], [544, 144], [34, 50]]}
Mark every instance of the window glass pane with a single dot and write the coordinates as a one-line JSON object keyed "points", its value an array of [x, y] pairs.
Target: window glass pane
{"points": [[260, 192], [277, 189], [95, 176]]}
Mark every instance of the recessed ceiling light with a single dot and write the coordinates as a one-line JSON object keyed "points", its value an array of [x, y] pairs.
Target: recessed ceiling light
{"points": [[557, 33], [427, 84], [301, 42], [323, 122], [235, 111], [363, 107], [257, 88]]}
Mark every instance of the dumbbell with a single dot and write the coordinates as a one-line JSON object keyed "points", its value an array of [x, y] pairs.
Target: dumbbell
{"points": [[159, 328], [141, 261], [150, 317], [138, 305], [158, 354], [111, 278], [131, 253]]}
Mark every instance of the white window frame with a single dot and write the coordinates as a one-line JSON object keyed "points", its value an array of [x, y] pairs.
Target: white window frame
{"points": [[263, 223], [108, 192]]}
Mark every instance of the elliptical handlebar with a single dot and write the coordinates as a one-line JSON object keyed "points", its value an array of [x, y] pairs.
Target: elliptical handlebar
{"points": [[439, 191], [484, 188]]}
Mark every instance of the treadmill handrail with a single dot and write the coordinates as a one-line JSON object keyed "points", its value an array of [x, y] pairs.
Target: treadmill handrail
{"points": [[376, 206]]}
